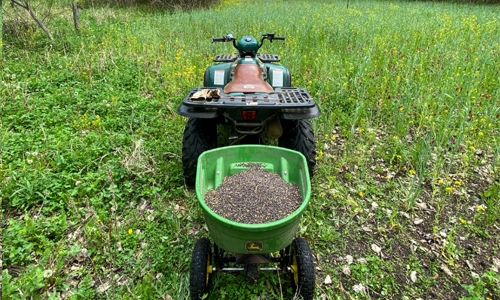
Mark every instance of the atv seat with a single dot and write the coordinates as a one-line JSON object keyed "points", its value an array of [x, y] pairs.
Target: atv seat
{"points": [[248, 79]]}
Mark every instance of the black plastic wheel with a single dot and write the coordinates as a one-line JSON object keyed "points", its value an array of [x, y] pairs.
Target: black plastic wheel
{"points": [[302, 265], [298, 135], [199, 135], [201, 264]]}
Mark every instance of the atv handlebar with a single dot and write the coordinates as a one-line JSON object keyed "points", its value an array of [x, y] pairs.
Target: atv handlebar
{"points": [[230, 38], [227, 38], [270, 37]]}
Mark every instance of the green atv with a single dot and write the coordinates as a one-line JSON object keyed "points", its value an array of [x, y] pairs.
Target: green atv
{"points": [[251, 93]]}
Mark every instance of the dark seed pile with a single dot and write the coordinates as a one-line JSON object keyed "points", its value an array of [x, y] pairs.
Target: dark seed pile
{"points": [[254, 196]]}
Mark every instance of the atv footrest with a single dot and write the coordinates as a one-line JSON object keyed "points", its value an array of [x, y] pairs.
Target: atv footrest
{"points": [[267, 58], [225, 57]]}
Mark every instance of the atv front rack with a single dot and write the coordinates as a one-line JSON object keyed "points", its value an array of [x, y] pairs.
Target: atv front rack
{"points": [[265, 58], [225, 57]]}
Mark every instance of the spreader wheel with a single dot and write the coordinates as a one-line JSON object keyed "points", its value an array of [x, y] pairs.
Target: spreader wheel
{"points": [[199, 135], [302, 266], [298, 135], [201, 268]]}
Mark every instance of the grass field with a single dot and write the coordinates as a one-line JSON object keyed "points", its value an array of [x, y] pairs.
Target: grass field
{"points": [[405, 199]]}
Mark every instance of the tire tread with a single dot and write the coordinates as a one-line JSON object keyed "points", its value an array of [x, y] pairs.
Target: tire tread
{"points": [[305, 267], [199, 135], [299, 136], [197, 276]]}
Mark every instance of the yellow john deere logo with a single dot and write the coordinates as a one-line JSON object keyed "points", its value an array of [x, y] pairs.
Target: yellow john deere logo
{"points": [[254, 246]]}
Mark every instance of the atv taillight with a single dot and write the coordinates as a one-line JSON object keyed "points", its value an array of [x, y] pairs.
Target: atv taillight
{"points": [[249, 114]]}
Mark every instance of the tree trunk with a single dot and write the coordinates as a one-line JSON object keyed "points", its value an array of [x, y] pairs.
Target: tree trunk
{"points": [[76, 17], [25, 4], [39, 22]]}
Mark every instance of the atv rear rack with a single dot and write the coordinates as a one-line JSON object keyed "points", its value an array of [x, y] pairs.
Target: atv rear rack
{"points": [[290, 103], [282, 98]]}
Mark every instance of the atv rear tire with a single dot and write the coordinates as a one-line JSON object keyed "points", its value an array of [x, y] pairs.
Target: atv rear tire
{"points": [[298, 135], [199, 135]]}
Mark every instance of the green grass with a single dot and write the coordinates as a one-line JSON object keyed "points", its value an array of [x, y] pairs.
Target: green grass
{"points": [[91, 185]]}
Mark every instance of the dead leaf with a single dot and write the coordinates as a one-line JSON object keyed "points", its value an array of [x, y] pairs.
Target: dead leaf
{"points": [[496, 264], [103, 287], [446, 270], [376, 248], [143, 206], [469, 265], [346, 270], [349, 259], [318, 256], [358, 288], [422, 205], [367, 229], [418, 221], [413, 276]]}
